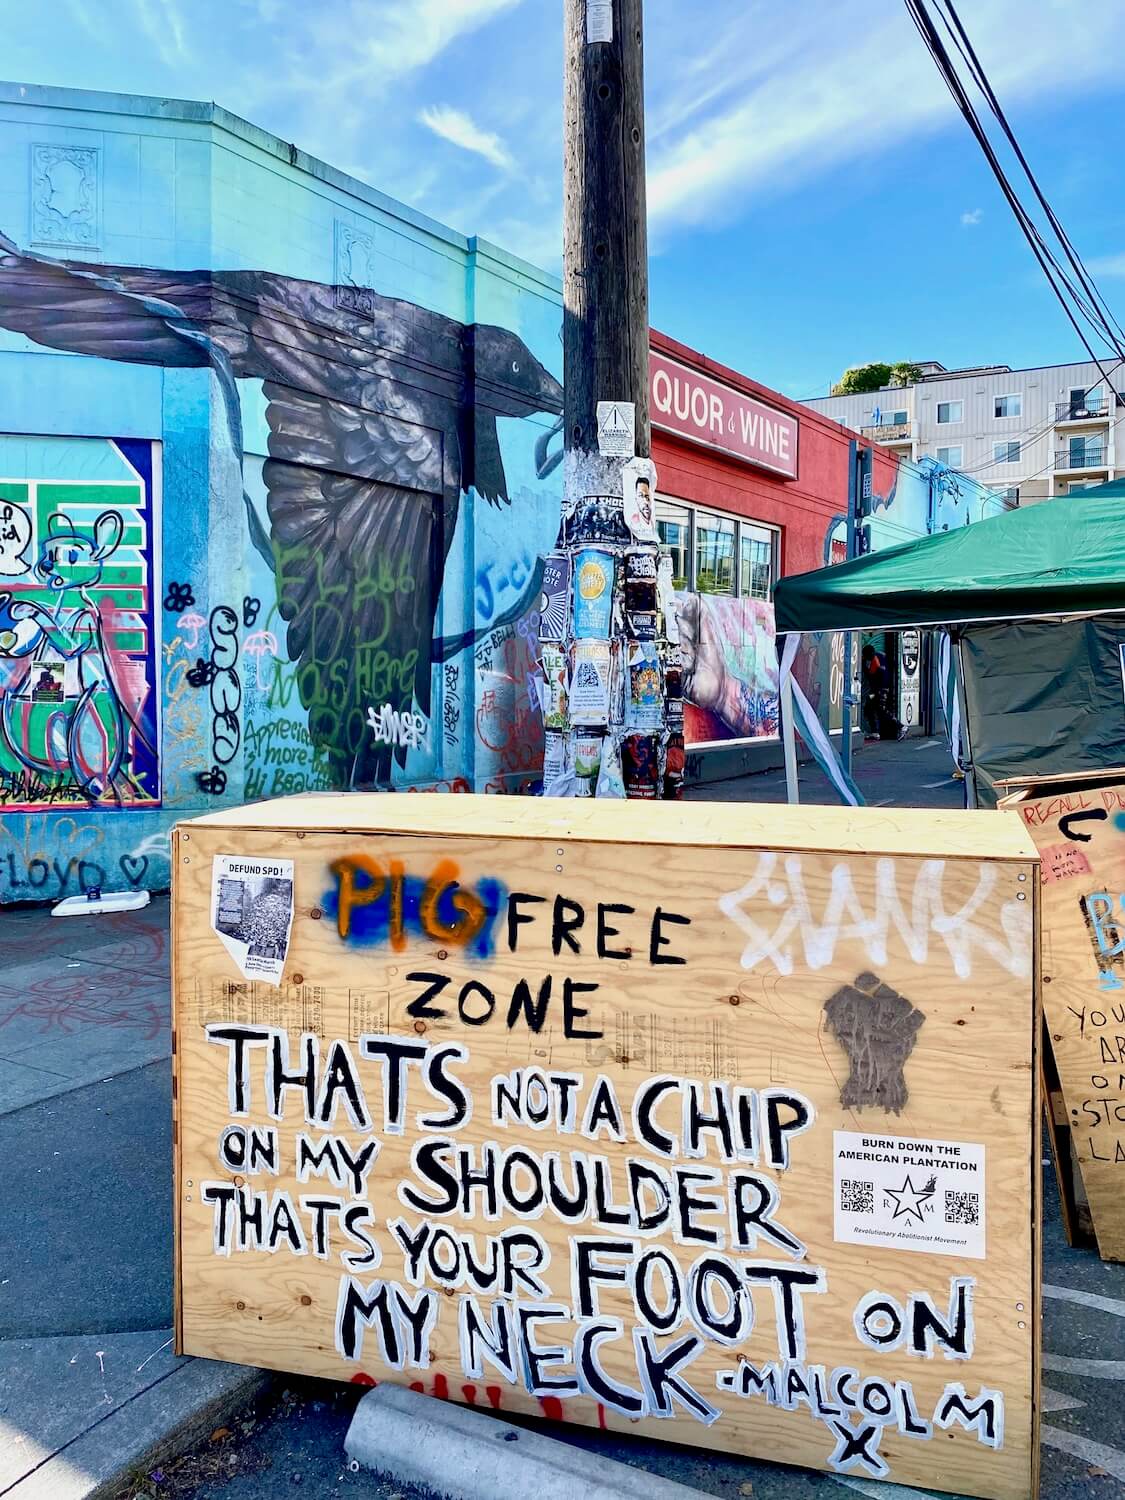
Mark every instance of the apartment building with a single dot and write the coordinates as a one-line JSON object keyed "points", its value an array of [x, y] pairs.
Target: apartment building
{"points": [[1027, 434]]}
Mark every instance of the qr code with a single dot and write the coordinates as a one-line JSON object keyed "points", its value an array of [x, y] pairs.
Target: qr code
{"points": [[857, 1197], [962, 1208]]}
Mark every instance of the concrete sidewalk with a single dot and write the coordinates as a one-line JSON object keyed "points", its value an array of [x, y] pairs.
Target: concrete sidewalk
{"points": [[89, 1387], [915, 772]]}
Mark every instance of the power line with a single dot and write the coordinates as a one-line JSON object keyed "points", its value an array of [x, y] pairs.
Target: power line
{"points": [[1069, 297], [1048, 263], [965, 46]]}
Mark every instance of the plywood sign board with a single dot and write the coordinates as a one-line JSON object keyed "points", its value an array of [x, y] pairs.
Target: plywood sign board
{"points": [[1081, 838], [719, 1122]]}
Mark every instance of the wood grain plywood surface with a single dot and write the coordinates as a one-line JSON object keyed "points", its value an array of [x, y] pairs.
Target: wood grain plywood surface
{"points": [[736, 1143], [1081, 840], [867, 830]]}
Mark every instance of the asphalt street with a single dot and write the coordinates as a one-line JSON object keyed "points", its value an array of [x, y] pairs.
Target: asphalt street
{"points": [[915, 772]]}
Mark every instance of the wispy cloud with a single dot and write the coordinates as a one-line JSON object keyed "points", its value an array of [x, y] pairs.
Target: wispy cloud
{"points": [[338, 63], [410, 33], [86, 18], [753, 104], [162, 23], [457, 127], [805, 115], [1107, 265]]}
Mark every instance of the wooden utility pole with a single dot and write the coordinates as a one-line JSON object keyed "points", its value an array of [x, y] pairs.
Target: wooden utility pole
{"points": [[605, 234], [613, 734]]}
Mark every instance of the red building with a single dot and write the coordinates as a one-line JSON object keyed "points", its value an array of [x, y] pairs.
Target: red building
{"points": [[749, 485]]}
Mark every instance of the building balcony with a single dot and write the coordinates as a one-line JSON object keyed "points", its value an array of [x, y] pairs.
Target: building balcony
{"points": [[893, 434], [1092, 409], [1081, 460]]}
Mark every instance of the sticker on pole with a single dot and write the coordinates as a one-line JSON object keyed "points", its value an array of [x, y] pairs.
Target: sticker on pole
{"points": [[599, 20], [908, 1194], [617, 429], [638, 488], [252, 912]]}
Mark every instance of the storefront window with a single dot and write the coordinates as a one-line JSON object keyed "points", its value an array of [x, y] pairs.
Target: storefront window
{"points": [[672, 523], [714, 554], [756, 562]]}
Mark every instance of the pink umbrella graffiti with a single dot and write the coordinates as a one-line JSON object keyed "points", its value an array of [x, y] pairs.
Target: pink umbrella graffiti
{"points": [[261, 644], [193, 622]]}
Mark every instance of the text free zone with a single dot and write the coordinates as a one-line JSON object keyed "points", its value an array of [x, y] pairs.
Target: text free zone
{"points": [[445, 911], [508, 1317], [441, 909]]}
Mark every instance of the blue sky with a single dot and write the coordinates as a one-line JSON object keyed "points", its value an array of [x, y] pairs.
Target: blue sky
{"points": [[814, 199]]}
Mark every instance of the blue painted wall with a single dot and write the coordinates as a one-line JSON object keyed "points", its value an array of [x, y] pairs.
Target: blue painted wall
{"points": [[923, 498], [240, 603]]}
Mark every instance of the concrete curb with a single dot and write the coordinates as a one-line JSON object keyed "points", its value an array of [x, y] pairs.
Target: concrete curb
{"points": [[470, 1455], [167, 1420], [97, 1446]]}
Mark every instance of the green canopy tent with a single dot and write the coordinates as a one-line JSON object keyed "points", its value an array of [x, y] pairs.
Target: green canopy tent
{"points": [[1032, 600]]}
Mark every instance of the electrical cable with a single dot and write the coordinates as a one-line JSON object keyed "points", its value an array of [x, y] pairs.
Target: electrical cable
{"points": [[960, 36], [1057, 278], [1049, 262]]}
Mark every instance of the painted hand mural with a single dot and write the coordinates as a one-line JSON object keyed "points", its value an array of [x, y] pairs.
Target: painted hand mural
{"points": [[729, 667], [381, 415]]}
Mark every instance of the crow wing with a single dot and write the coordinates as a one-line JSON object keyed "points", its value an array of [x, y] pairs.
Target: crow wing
{"points": [[363, 480], [359, 550], [365, 457], [95, 310]]}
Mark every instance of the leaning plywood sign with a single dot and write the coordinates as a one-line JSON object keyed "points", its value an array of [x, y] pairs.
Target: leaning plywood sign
{"points": [[692, 1118], [1080, 832]]}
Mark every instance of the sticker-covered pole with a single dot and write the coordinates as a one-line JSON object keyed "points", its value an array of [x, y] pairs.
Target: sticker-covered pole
{"points": [[610, 652]]}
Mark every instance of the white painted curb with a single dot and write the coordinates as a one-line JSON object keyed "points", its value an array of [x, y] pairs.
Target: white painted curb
{"points": [[471, 1455]]}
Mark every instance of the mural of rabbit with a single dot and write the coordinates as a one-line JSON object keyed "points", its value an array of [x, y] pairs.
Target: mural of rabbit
{"points": [[57, 657]]}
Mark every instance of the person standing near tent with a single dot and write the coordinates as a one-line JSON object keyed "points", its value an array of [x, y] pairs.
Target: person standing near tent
{"points": [[876, 692]]}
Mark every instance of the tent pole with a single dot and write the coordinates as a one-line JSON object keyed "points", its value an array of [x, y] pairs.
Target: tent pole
{"points": [[966, 743], [789, 739], [846, 714]]}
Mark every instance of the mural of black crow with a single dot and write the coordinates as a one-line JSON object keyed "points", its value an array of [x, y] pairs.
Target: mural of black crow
{"points": [[381, 415]]}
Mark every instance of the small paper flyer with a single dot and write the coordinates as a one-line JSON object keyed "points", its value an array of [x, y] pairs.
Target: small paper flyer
{"points": [[252, 912], [617, 427], [638, 484], [909, 1194], [555, 597], [644, 703], [589, 683]]}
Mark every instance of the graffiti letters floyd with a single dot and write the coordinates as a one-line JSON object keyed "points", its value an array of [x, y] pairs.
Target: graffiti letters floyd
{"points": [[627, 1132]]}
